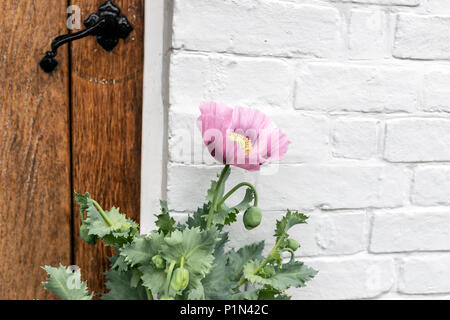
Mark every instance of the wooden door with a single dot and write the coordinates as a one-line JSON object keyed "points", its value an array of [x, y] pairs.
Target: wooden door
{"points": [[106, 126], [78, 128]]}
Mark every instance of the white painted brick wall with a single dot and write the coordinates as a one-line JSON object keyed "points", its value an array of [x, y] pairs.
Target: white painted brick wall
{"points": [[426, 179], [383, 2], [422, 37], [425, 274], [362, 88], [417, 140], [347, 144], [439, 6], [351, 87], [368, 35], [404, 230], [258, 27], [335, 186], [436, 91], [351, 277]]}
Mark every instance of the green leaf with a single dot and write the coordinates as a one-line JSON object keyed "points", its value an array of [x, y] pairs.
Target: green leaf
{"points": [[293, 274], [121, 230], [118, 263], [268, 293], [135, 278], [120, 285], [246, 295], [238, 259], [82, 200], [226, 216], [66, 283], [250, 269], [85, 236], [120, 225], [165, 222], [220, 245], [153, 278], [195, 290], [197, 220], [142, 249], [218, 284], [291, 219], [282, 296], [195, 245]]}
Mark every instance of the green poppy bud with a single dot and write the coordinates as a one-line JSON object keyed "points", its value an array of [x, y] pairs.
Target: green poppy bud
{"points": [[180, 279], [275, 256], [125, 227], [269, 271], [158, 261], [84, 234], [252, 218], [292, 244]]}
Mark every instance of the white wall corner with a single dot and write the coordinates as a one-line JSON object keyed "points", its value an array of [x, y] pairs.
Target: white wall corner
{"points": [[158, 35]]}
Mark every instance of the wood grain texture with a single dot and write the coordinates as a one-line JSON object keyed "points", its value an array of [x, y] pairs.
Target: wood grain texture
{"points": [[35, 191], [106, 127]]}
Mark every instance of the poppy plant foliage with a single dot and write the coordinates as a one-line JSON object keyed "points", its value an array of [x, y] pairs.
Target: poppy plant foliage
{"points": [[189, 260]]}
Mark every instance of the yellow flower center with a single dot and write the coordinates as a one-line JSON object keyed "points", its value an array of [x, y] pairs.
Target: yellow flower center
{"points": [[242, 141]]}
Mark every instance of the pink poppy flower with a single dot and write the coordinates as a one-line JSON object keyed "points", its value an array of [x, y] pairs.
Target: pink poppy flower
{"points": [[241, 137]]}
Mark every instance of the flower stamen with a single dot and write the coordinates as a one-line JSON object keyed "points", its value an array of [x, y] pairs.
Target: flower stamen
{"points": [[242, 141]]}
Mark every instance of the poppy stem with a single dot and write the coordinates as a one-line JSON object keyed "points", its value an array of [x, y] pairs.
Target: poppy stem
{"points": [[240, 185], [102, 213], [149, 293], [169, 276], [212, 209]]}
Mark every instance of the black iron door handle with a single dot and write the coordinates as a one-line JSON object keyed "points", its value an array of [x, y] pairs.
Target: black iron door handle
{"points": [[107, 25]]}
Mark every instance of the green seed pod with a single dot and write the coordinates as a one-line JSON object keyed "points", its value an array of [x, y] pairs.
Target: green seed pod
{"points": [[166, 298], [292, 244], [180, 279], [252, 218], [84, 234], [158, 261]]}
